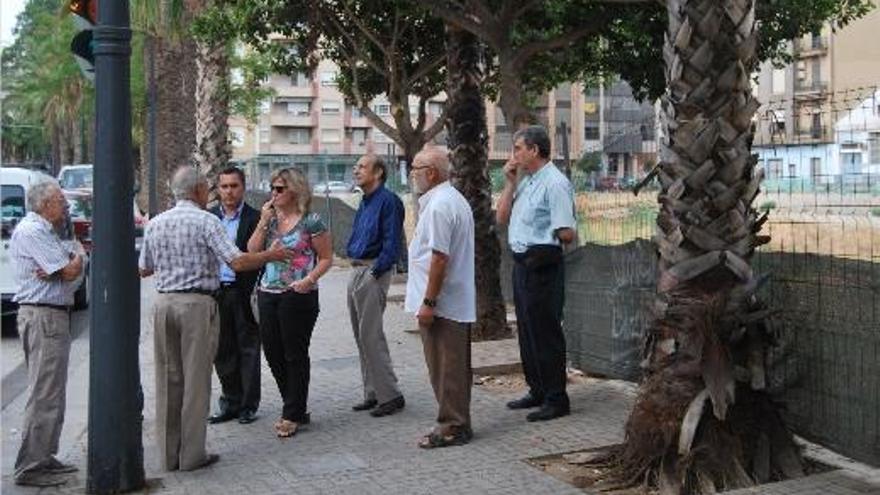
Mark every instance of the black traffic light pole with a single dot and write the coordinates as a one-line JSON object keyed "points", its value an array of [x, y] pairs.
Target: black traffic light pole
{"points": [[116, 454]]}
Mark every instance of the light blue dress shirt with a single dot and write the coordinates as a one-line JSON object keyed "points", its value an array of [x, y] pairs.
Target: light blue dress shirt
{"points": [[231, 226], [542, 204]]}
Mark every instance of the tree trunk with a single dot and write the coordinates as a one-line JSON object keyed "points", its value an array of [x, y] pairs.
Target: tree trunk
{"points": [[175, 112], [468, 139], [212, 151], [512, 98], [708, 344]]}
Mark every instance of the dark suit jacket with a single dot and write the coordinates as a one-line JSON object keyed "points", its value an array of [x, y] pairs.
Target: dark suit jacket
{"points": [[246, 226]]}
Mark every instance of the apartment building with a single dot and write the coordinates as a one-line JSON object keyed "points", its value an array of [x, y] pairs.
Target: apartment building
{"points": [[308, 124], [832, 73], [604, 119]]}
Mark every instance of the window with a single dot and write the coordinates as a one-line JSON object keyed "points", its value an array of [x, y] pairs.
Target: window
{"points": [[591, 133], [356, 113], [236, 137], [359, 136], [874, 147], [382, 109], [331, 136], [328, 78], [300, 80], [300, 108], [265, 135], [331, 107], [380, 137], [792, 170], [13, 208], [815, 167], [436, 107], [774, 168], [777, 83], [299, 135]]}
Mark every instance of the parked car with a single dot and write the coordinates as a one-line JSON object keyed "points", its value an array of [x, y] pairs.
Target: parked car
{"points": [[76, 177], [80, 178], [334, 186], [16, 182]]}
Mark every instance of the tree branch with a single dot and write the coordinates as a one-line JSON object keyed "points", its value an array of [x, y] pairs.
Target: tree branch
{"points": [[426, 68], [358, 49], [437, 126], [459, 20], [365, 30], [525, 52]]}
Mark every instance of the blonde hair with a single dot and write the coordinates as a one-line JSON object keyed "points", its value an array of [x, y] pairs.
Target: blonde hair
{"points": [[298, 184]]}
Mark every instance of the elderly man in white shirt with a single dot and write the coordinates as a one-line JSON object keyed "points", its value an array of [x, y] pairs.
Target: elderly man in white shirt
{"points": [[48, 273], [441, 291]]}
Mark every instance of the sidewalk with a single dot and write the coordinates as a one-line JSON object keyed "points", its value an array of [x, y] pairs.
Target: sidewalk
{"points": [[347, 452]]}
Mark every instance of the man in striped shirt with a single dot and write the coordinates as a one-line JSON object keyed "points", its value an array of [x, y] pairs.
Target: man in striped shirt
{"points": [[48, 273], [183, 247]]}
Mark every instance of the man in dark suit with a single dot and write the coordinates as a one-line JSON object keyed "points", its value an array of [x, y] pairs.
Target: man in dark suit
{"points": [[238, 352]]}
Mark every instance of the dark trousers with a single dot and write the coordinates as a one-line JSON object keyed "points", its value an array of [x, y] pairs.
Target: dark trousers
{"points": [[538, 295], [238, 353], [286, 324]]}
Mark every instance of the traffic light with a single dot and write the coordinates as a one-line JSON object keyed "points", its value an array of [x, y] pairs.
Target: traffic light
{"points": [[85, 14]]}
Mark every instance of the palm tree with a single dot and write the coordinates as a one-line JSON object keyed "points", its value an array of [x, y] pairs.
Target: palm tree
{"points": [[466, 126], [164, 25], [702, 421]]}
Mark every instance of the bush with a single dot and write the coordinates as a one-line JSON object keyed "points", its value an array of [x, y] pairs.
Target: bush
{"points": [[767, 206]]}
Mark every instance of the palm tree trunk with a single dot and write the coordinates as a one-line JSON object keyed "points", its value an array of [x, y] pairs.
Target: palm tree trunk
{"points": [[212, 150], [703, 420], [468, 139], [175, 73]]}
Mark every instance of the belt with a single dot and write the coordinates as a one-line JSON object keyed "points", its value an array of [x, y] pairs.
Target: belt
{"points": [[364, 262], [59, 307], [204, 292]]}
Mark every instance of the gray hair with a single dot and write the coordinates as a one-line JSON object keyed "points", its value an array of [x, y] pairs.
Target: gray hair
{"points": [[438, 158], [535, 135], [185, 182], [40, 192]]}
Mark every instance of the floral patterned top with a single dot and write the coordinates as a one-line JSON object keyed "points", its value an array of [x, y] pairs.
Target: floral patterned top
{"points": [[278, 275]]}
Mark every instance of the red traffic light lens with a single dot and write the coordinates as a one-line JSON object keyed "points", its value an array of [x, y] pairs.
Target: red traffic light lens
{"points": [[87, 9]]}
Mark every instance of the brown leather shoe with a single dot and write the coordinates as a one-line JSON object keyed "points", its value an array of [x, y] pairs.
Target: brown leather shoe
{"points": [[209, 460]]}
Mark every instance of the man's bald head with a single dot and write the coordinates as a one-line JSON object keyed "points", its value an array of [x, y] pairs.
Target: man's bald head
{"points": [[434, 157]]}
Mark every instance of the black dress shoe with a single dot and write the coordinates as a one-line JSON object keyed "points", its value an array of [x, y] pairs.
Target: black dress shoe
{"points": [[525, 402], [548, 412], [365, 405], [390, 407], [222, 417], [247, 417]]}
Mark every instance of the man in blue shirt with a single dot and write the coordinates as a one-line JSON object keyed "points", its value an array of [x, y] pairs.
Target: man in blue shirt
{"points": [[540, 211], [374, 248]]}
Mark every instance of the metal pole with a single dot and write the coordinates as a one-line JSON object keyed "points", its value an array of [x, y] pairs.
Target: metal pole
{"points": [[116, 456], [153, 100], [566, 156]]}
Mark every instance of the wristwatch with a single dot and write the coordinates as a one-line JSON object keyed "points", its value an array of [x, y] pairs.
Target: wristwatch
{"points": [[429, 302]]}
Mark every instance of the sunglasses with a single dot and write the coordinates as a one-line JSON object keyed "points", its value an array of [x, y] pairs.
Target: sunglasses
{"points": [[279, 189]]}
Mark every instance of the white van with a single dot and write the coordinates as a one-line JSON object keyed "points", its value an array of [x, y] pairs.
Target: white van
{"points": [[16, 182]]}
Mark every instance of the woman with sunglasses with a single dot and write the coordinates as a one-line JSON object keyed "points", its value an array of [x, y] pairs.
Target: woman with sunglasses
{"points": [[287, 294]]}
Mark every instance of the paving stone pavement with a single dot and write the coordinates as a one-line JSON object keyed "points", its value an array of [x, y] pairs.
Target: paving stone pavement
{"points": [[342, 451]]}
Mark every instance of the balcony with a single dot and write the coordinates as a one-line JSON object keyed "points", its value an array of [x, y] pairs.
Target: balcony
{"points": [[285, 119], [810, 89], [811, 47], [811, 134]]}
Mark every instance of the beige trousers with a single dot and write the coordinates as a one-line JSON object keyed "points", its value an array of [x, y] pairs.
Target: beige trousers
{"points": [[447, 346], [185, 334], [45, 336], [366, 306]]}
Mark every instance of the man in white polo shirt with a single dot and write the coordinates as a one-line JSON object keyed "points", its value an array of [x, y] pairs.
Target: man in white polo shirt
{"points": [[440, 290]]}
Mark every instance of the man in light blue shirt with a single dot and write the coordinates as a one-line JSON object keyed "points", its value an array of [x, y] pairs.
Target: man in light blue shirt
{"points": [[539, 209]]}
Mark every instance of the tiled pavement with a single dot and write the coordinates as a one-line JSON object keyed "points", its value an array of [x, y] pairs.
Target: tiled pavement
{"points": [[347, 452]]}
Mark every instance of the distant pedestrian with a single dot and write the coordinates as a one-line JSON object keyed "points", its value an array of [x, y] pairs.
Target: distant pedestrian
{"points": [[374, 247], [183, 247], [540, 210], [47, 271], [441, 291], [238, 352], [288, 290]]}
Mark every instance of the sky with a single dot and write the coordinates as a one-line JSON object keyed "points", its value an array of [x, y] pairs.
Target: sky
{"points": [[9, 10]]}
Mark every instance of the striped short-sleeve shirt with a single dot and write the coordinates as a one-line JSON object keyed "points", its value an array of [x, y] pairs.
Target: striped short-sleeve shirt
{"points": [[35, 245], [184, 246]]}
